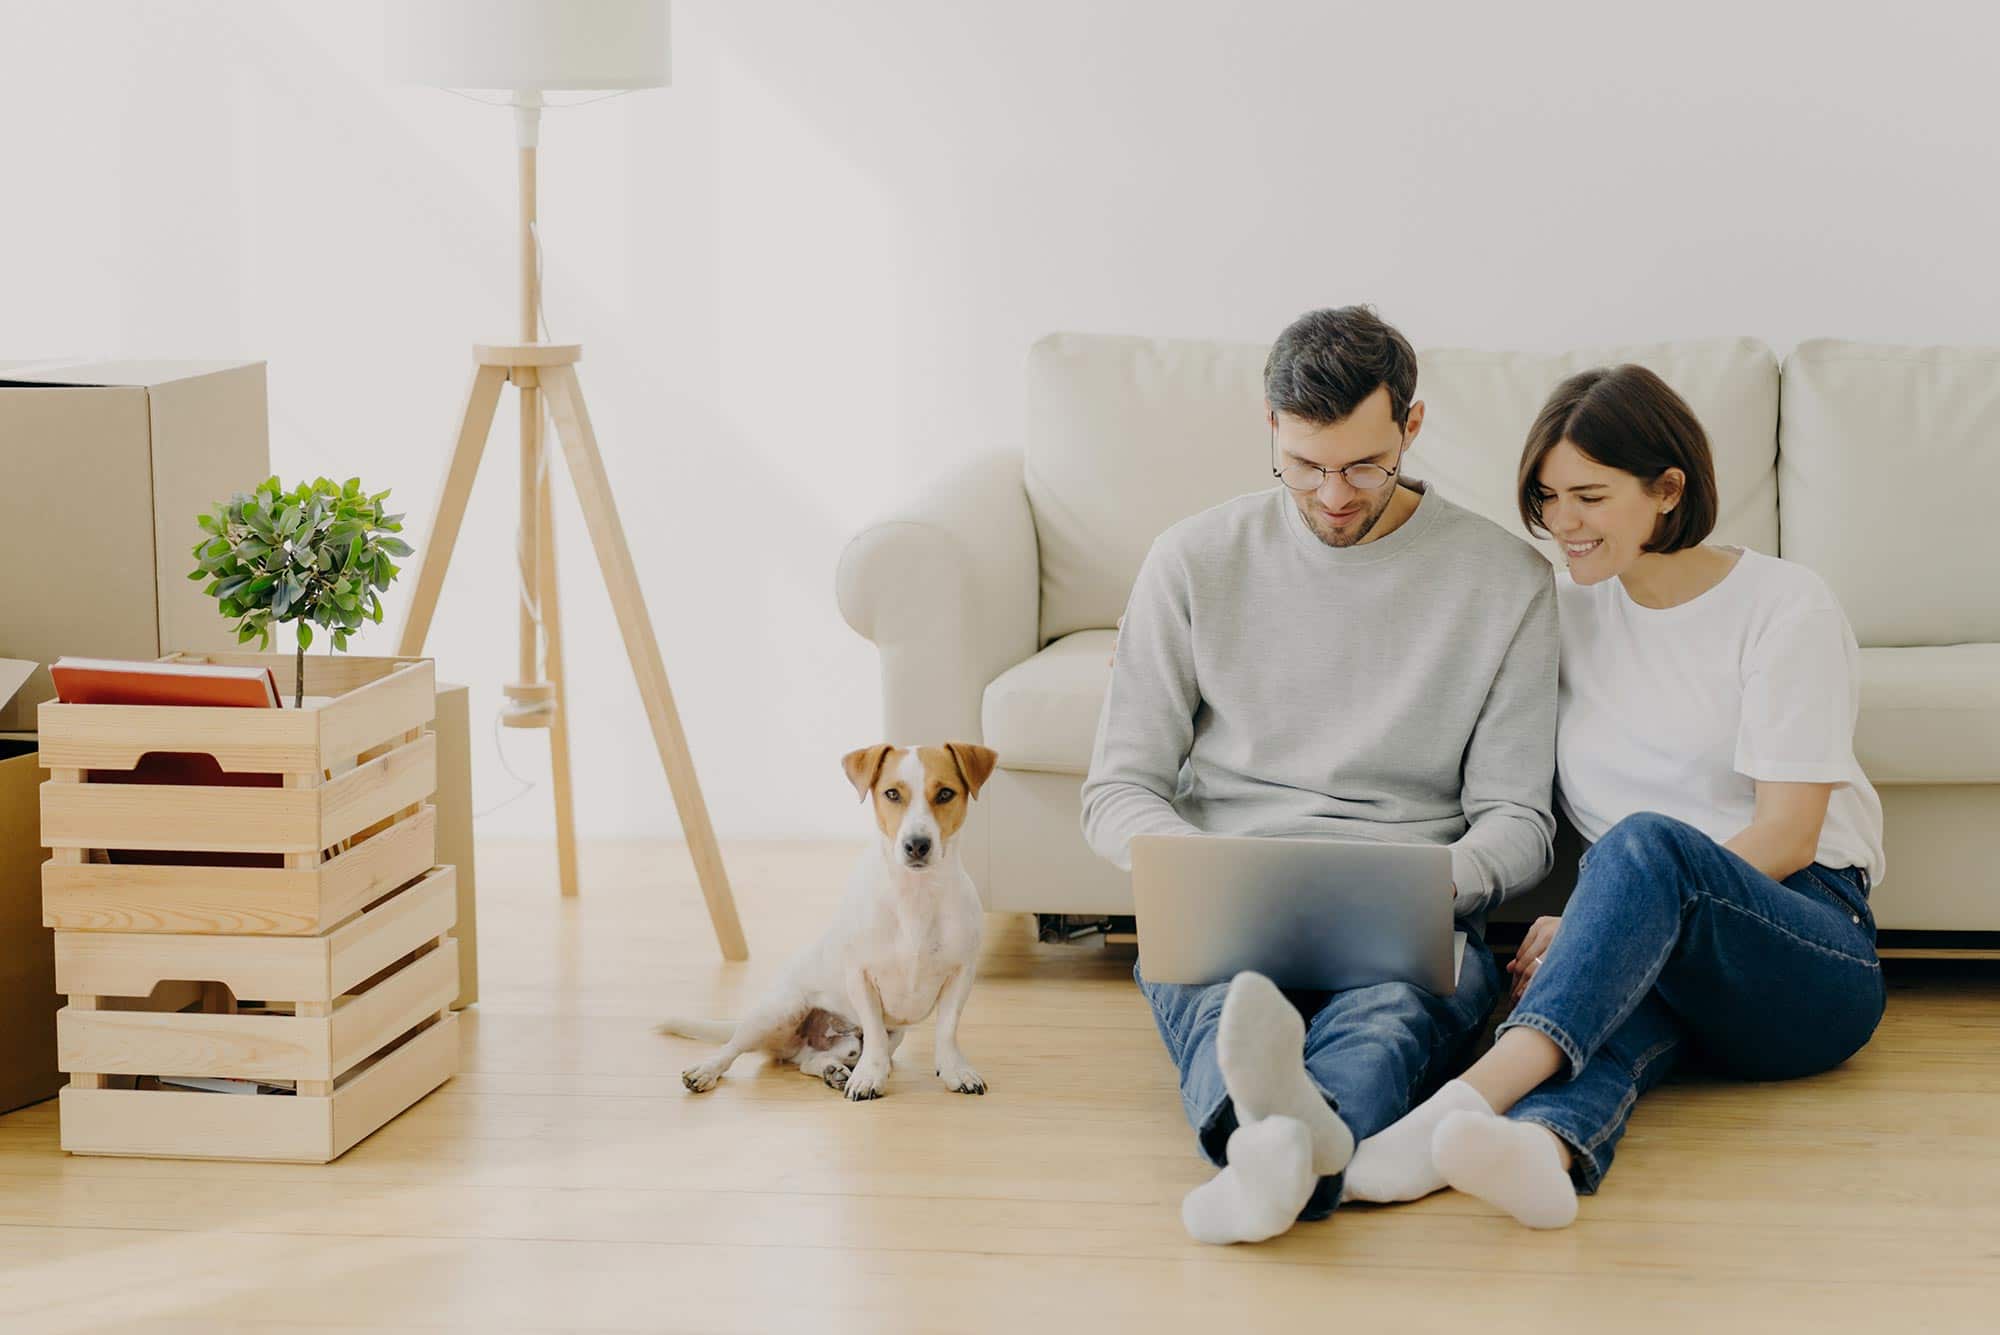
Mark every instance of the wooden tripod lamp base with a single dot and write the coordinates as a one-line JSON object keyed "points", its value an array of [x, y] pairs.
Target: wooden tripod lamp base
{"points": [[538, 369]]}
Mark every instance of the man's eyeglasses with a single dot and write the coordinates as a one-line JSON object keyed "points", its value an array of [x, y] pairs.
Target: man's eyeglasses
{"points": [[1302, 476]]}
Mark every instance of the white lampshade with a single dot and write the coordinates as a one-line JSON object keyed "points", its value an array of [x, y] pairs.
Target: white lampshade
{"points": [[529, 45]]}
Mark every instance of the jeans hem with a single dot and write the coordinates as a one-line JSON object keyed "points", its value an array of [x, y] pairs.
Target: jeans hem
{"points": [[1585, 1172], [1212, 1130], [1550, 1030]]}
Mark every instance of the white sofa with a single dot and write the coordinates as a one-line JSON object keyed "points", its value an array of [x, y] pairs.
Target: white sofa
{"points": [[991, 598]]}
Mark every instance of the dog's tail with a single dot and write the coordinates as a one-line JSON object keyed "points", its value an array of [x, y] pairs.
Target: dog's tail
{"points": [[708, 1031]]}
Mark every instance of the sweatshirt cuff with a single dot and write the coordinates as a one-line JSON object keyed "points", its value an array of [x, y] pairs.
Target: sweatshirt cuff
{"points": [[1471, 895]]}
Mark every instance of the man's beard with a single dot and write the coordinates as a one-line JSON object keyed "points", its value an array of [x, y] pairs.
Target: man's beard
{"points": [[1353, 535]]}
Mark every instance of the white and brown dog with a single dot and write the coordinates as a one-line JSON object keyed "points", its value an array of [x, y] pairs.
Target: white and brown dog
{"points": [[904, 943]]}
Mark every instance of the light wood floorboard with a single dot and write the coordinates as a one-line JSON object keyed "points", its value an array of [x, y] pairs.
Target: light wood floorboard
{"points": [[566, 1181]]}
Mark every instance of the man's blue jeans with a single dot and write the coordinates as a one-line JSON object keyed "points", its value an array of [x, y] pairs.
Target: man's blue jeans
{"points": [[1673, 943], [1372, 1051]]}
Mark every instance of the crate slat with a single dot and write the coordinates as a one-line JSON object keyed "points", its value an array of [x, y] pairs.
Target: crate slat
{"points": [[243, 741], [374, 791], [388, 707], [129, 965], [362, 1024], [260, 1046], [370, 1098], [181, 818], [259, 901], [283, 1128], [243, 1047], [372, 942], [283, 968]]}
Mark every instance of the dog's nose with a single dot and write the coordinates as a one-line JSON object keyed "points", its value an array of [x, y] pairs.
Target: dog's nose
{"points": [[917, 847]]}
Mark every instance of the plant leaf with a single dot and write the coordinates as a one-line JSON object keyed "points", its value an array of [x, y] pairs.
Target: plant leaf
{"points": [[305, 635]]}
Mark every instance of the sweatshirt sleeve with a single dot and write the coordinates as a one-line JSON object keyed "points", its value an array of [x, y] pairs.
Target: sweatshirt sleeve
{"points": [[1147, 727], [1509, 770]]}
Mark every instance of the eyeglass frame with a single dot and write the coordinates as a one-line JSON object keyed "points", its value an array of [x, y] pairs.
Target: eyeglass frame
{"points": [[1325, 473]]}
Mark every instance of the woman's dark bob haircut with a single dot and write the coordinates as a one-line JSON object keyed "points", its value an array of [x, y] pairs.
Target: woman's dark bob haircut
{"points": [[1627, 418]]}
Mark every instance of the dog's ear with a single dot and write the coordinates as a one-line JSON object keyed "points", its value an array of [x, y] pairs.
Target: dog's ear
{"points": [[865, 766], [975, 762]]}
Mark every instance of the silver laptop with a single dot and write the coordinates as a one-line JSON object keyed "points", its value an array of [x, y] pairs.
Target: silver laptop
{"points": [[1311, 914]]}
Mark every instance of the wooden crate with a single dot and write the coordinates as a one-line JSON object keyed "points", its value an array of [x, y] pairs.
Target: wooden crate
{"points": [[359, 1019], [339, 817]]}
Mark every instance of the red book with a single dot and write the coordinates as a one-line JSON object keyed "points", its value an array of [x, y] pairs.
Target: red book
{"points": [[119, 681]]}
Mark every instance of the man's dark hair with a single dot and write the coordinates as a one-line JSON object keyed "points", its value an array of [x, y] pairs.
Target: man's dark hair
{"points": [[1627, 418], [1327, 361]]}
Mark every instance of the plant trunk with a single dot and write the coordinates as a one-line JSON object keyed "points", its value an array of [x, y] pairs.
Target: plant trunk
{"points": [[299, 694]]}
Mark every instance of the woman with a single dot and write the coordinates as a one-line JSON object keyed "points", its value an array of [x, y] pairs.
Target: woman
{"points": [[1704, 747]]}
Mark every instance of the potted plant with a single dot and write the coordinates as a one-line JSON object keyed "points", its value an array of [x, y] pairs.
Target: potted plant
{"points": [[319, 554]]}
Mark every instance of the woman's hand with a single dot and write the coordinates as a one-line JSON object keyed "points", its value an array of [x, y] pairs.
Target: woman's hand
{"points": [[1529, 957]]}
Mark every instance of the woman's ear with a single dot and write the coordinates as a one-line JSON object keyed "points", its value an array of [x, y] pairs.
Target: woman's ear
{"points": [[1669, 488]]}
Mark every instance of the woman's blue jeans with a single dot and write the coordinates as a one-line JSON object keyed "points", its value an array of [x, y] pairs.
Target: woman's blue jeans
{"points": [[1372, 1052], [1673, 943]]}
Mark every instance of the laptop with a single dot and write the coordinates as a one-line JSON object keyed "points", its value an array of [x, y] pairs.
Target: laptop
{"points": [[1310, 914]]}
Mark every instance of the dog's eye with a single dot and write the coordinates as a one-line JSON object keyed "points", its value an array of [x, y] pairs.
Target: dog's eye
{"points": [[893, 794], [944, 795]]}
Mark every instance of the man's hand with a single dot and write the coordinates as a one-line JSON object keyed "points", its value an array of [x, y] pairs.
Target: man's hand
{"points": [[1529, 957]]}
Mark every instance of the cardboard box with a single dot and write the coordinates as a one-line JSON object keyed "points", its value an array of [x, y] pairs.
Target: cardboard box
{"points": [[28, 1000], [108, 464], [453, 726]]}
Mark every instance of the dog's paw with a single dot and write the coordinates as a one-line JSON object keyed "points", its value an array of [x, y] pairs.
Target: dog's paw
{"points": [[700, 1079], [835, 1077], [867, 1081], [962, 1079]]}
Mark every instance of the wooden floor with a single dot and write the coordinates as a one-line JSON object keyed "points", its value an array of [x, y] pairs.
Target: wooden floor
{"points": [[566, 1182]]}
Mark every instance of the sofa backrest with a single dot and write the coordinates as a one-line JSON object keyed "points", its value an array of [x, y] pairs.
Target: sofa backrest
{"points": [[1125, 436], [1888, 466]]}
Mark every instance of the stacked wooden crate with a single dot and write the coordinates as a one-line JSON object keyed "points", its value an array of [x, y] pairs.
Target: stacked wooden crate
{"points": [[286, 925]]}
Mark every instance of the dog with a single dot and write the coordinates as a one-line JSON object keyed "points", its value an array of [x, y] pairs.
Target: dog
{"points": [[905, 941]]}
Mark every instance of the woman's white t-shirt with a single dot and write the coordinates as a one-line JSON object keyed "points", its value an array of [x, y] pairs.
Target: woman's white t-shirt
{"points": [[1680, 710]]}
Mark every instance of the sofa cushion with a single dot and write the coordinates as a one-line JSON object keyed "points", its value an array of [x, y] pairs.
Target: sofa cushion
{"points": [[1930, 715], [1042, 714], [1125, 436], [1867, 428]]}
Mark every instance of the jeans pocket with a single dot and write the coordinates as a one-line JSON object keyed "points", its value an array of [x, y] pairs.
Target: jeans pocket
{"points": [[1844, 895]]}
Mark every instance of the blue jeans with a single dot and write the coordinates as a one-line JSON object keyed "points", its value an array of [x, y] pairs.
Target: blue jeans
{"points": [[1373, 1052], [1672, 944]]}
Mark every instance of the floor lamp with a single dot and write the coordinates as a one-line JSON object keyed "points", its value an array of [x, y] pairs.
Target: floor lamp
{"points": [[528, 48]]}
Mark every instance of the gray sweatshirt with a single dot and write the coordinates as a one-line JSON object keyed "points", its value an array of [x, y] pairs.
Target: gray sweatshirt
{"points": [[1403, 690]]}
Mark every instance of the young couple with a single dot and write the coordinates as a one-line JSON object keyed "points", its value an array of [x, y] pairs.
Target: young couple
{"points": [[1352, 656]]}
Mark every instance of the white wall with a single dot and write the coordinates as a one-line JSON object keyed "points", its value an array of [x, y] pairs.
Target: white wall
{"points": [[805, 276]]}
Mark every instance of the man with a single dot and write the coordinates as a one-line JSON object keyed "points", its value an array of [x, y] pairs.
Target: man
{"points": [[1347, 655]]}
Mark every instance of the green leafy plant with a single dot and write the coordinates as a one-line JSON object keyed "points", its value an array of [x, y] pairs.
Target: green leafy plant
{"points": [[320, 554]]}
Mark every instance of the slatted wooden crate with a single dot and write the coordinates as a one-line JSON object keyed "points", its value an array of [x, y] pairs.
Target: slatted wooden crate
{"points": [[358, 1019], [335, 815]]}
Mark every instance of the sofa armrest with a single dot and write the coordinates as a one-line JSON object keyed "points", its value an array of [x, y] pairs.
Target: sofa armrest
{"points": [[949, 591]]}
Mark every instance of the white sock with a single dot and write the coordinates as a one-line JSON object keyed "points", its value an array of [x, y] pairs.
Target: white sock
{"points": [[1395, 1163], [1259, 1195], [1514, 1165], [1260, 1045]]}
